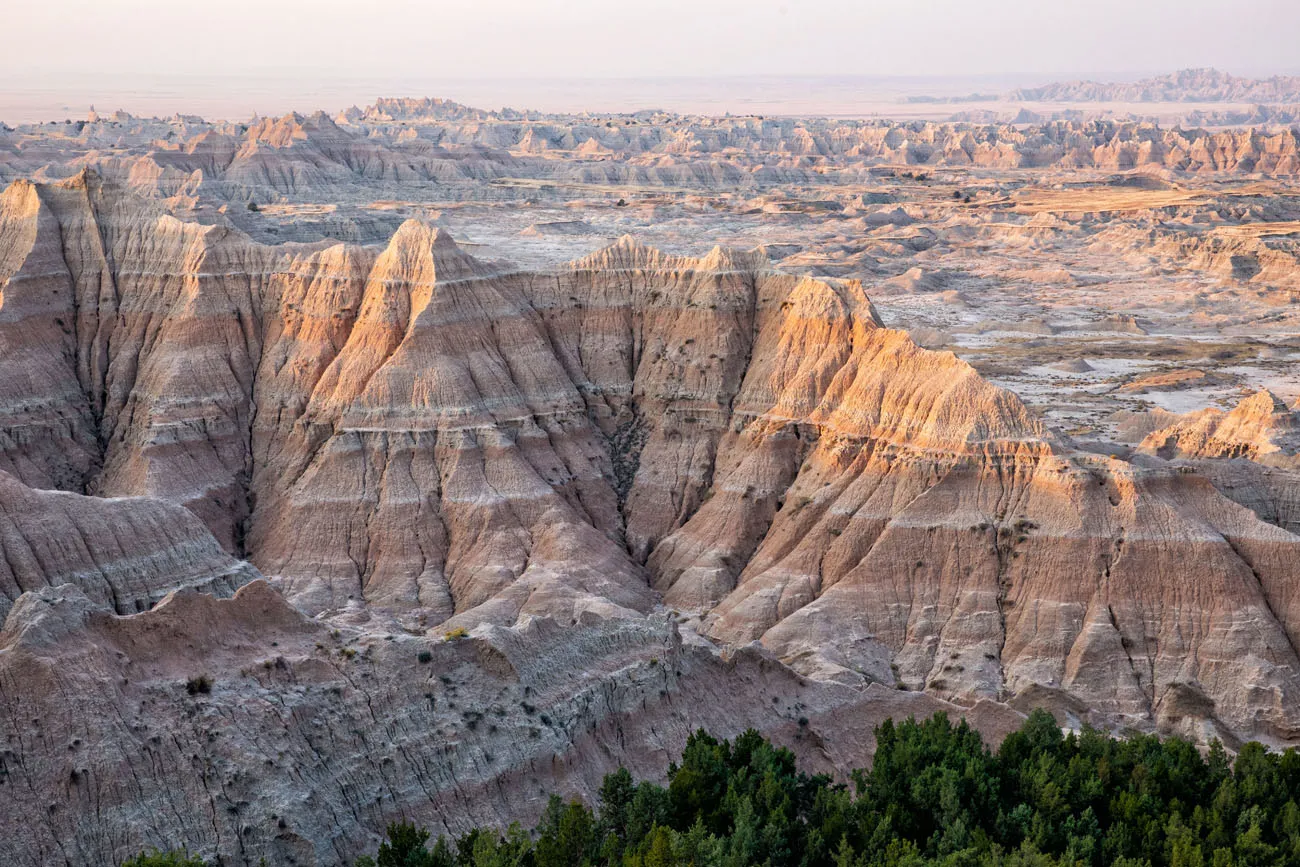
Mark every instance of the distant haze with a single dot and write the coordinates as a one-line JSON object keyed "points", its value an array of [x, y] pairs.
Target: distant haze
{"points": [[267, 55]]}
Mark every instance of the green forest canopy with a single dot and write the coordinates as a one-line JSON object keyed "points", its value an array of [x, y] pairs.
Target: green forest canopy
{"points": [[934, 795]]}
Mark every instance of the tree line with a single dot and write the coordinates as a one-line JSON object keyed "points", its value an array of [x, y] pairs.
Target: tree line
{"points": [[935, 794]]}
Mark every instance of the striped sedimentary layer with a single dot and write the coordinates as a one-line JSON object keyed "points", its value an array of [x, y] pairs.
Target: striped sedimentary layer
{"points": [[457, 442]]}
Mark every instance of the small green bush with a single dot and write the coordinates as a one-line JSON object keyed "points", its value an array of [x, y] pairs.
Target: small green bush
{"points": [[201, 685]]}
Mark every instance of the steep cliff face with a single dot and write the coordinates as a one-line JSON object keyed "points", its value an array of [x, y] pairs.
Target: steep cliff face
{"points": [[408, 440], [49, 428], [460, 443]]}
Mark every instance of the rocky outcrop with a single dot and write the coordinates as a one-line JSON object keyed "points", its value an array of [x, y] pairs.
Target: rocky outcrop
{"points": [[189, 724], [432, 150], [124, 554], [456, 442], [1260, 427], [1251, 454], [654, 491], [1185, 85]]}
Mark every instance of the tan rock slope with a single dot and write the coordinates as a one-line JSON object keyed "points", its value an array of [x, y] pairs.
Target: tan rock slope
{"points": [[300, 751], [1260, 427], [123, 554], [407, 440], [1251, 454], [462, 443]]}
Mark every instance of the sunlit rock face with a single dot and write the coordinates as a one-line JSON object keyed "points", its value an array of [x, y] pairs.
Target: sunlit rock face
{"points": [[460, 442], [650, 491]]}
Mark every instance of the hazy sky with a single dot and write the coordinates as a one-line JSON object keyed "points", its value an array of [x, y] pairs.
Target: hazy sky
{"points": [[603, 38]]}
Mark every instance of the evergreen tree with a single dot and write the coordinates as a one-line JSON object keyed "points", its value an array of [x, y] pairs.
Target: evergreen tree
{"points": [[934, 795]]}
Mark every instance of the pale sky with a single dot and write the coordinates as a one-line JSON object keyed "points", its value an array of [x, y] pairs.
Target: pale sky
{"points": [[378, 39]]}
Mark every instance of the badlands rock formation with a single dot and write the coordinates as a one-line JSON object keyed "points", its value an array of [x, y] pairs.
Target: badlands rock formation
{"points": [[1251, 454], [310, 739], [1260, 427], [655, 491], [1186, 85], [121, 554], [461, 443], [453, 155]]}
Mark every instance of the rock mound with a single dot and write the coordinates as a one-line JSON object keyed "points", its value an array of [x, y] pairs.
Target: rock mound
{"points": [[125, 553], [1261, 427]]}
